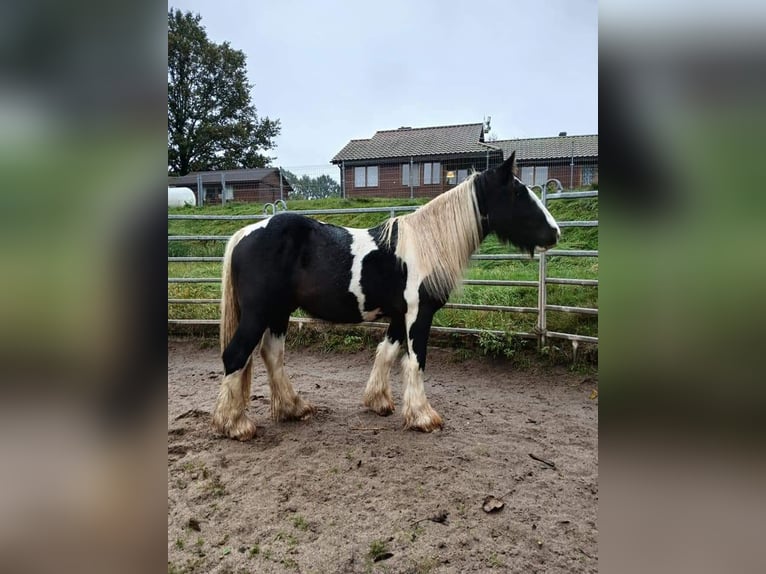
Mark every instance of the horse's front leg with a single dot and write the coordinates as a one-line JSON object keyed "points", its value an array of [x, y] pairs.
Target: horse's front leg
{"points": [[418, 413], [377, 393]]}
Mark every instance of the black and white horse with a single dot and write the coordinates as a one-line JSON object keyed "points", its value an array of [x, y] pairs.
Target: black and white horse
{"points": [[403, 269]]}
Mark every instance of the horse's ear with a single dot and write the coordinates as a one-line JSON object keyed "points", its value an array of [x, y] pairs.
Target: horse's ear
{"points": [[508, 168]]}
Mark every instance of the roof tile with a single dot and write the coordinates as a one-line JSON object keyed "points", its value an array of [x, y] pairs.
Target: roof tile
{"points": [[403, 142], [231, 175], [549, 148]]}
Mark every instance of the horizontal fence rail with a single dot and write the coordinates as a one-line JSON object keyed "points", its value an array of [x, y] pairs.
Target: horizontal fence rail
{"points": [[540, 332]]}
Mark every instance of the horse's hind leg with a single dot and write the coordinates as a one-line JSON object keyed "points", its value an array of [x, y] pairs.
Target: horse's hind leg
{"points": [[377, 393], [229, 416], [285, 402]]}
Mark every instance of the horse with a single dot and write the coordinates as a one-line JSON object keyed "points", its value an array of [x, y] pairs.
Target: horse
{"points": [[403, 269]]}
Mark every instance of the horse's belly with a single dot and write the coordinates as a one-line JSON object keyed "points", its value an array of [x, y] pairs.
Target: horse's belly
{"points": [[337, 307]]}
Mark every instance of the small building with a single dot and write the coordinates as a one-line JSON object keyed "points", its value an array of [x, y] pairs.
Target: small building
{"points": [[414, 162], [260, 185], [424, 162], [573, 160]]}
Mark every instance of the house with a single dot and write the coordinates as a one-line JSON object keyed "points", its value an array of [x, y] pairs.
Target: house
{"points": [[573, 160], [424, 162], [246, 185], [414, 162]]}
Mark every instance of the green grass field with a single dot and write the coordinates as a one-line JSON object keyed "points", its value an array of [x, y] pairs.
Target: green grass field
{"points": [[566, 267]]}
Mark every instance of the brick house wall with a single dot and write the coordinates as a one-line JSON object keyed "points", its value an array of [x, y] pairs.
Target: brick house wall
{"points": [[265, 190], [390, 176], [561, 170]]}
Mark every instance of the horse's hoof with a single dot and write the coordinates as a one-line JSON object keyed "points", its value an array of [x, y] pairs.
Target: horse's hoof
{"points": [[242, 429], [382, 407], [300, 412], [386, 410], [426, 421]]}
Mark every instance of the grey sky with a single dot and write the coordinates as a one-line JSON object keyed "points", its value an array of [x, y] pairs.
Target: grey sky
{"points": [[335, 70]]}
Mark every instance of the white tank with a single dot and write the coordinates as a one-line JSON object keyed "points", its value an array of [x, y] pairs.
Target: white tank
{"points": [[181, 196]]}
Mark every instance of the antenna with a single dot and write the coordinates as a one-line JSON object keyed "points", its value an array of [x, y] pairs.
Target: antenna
{"points": [[487, 119]]}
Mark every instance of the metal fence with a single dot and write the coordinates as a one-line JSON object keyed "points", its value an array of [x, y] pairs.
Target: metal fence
{"points": [[540, 332]]}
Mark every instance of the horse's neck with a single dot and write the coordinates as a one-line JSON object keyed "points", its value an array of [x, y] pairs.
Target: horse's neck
{"points": [[460, 241]]}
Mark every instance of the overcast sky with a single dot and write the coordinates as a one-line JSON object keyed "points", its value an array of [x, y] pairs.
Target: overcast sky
{"points": [[335, 70]]}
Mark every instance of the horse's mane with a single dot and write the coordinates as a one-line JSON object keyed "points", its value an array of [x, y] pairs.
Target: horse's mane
{"points": [[440, 236]]}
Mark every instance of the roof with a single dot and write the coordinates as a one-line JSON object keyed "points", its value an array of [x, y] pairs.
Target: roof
{"points": [[549, 148], [231, 175], [404, 142]]}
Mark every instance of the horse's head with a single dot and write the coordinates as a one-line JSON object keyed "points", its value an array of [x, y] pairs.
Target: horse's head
{"points": [[513, 212]]}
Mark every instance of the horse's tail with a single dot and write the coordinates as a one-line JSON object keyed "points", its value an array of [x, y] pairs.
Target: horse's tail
{"points": [[229, 304]]}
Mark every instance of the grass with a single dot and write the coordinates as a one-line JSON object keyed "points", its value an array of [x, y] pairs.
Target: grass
{"points": [[494, 561], [377, 549], [300, 523], [564, 267], [215, 487], [288, 538]]}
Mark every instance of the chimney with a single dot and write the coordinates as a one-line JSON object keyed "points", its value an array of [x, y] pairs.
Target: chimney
{"points": [[562, 134]]}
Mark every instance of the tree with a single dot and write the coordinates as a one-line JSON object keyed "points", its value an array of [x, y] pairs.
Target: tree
{"points": [[306, 187], [212, 123]]}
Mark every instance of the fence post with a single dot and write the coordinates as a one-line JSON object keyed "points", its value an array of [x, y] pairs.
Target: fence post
{"points": [[200, 198], [542, 291], [281, 190], [571, 168], [223, 189]]}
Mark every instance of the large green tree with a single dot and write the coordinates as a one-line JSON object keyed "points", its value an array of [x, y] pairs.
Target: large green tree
{"points": [[307, 187], [212, 123]]}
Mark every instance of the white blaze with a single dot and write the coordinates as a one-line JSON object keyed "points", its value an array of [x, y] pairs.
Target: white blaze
{"points": [[549, 218]]}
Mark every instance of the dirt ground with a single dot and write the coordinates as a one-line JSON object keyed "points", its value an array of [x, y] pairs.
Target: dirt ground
{"points": [[349, 491]]}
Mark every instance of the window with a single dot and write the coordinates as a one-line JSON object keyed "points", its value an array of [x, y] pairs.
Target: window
{"points": [[534, 175], [359, 178], [462, 174], [366, 176], [432, 173], [528, 175], [415, 174], [372, 176], [541, 174], [587, 175], [228, 194], [212, 194]]}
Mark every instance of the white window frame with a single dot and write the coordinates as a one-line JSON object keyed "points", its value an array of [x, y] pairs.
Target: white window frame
{"points": [[411, 174], [541, 174], [370, 170], [360, 179], [528, 174], [432, 173], [362, 175]]}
